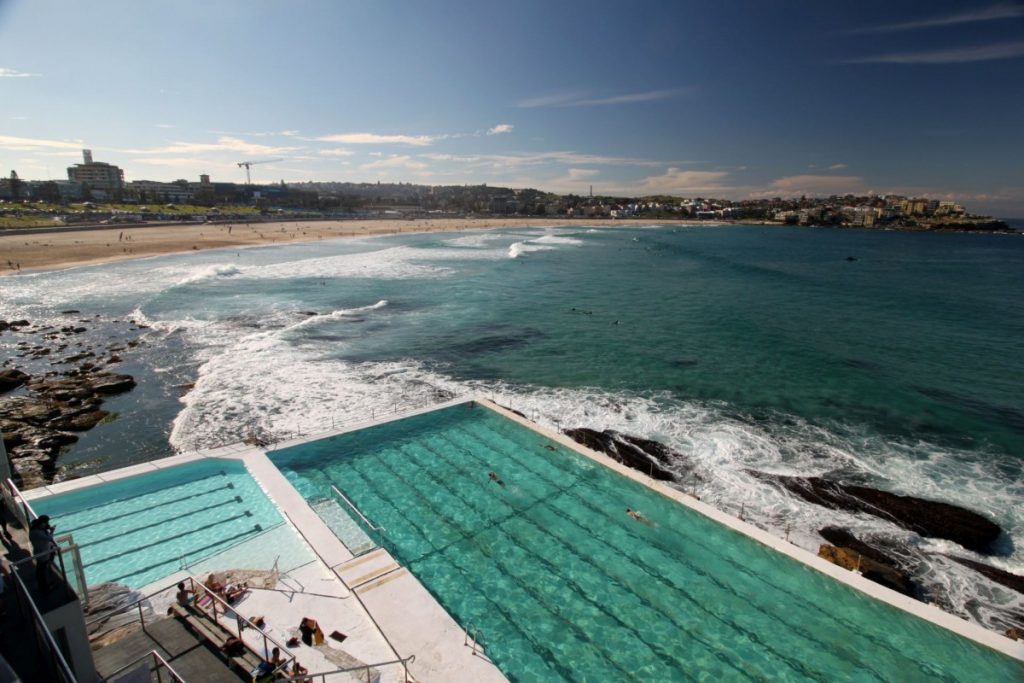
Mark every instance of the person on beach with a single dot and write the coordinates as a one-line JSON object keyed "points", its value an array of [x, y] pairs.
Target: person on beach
{"points": [[494, 477], [40, 535]]}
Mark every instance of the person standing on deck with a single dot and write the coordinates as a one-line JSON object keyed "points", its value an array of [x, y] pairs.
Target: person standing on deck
{"points": [[40, 535]]}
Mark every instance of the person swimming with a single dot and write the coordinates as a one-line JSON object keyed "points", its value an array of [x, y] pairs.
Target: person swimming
{"points": [[639, 516], [494, 477]]}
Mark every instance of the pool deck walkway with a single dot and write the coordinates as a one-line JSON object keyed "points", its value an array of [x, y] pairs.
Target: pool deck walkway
{"points": [[186, 652]]}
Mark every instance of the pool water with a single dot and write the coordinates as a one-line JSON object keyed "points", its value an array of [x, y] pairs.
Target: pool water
{"points": [[565, 586], [143, 528]]}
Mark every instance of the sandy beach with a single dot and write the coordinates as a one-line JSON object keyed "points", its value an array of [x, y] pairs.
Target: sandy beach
{"points": [[64, 248]]}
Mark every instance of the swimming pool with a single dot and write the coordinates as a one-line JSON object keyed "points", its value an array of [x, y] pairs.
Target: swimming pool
{"points": [[565, 586], [143, 528]]}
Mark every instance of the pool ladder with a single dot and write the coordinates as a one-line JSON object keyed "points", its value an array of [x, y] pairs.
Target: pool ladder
{"points": [[472, 636]]}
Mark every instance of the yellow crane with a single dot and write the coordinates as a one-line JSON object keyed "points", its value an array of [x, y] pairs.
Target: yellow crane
{"points": [[247, 164]]}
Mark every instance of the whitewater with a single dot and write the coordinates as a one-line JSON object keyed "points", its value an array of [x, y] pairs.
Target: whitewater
{"points": [[741, 348]]}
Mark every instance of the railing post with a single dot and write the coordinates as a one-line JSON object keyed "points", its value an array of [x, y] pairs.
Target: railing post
{"points": [[142, 618], [156, 665]]}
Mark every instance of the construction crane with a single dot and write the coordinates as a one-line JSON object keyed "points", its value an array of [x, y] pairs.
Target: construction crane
{"points": [[247, 164]]}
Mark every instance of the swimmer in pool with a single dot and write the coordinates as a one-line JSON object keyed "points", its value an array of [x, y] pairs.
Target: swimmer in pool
{"points": [[639, 516], [494, 477]]}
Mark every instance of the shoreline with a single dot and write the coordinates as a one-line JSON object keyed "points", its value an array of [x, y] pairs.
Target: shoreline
{"points": [[60, 248]]}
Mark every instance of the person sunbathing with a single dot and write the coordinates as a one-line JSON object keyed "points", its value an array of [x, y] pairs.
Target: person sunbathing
{"points": [[233, 592]]}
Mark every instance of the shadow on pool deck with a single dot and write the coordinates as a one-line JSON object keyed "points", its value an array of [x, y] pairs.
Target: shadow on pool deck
{"points": [[186, 652]]}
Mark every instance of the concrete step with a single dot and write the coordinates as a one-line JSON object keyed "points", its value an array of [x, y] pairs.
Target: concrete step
{"points": [[338, 520], [366, 568]]}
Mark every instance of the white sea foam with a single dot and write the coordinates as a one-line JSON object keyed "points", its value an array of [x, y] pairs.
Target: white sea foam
{"points": [[209, 272]]}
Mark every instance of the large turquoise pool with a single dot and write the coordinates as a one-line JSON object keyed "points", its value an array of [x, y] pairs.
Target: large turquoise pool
{"points": [[565, 586], [143, 528]]}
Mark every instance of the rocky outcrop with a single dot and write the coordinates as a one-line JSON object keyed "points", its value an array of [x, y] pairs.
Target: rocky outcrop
{"points": [[647, 456], [925, 517], [869, 569], [1000, 576], [39, 422], [11, 379], [848, 551]]}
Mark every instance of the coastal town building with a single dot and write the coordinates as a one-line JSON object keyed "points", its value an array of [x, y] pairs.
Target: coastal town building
{"points": [[97, 175]]}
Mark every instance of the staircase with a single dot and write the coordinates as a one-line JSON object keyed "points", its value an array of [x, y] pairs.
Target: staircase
{"points": [[343, 526]]}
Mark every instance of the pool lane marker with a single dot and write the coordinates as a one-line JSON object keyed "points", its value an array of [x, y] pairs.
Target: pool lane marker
{"points": [[76, 529]]}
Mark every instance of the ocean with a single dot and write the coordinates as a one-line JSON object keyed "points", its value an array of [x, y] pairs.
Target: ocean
{"points": [[889, 359]]}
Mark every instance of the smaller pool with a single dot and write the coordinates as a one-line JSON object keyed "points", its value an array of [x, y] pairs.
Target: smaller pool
{"points": [[141, 529]]}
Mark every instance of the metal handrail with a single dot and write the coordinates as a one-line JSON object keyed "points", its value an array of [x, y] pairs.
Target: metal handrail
{"points": [[322, 675], [41, 626], [27, 511], [239, 619], [352, 505], [137, 603], [160, 662], [473, 633]]}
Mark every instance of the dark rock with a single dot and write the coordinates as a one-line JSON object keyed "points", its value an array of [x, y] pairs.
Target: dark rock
{"points": [[18, 323], [114, 358], [70, 312], [308, 313], [9, 379], [4, 325], [991, 573], [78, 421], [875, 565], [925, 517], [870, 569], [79, 356], [105, 383], [641, 454]]}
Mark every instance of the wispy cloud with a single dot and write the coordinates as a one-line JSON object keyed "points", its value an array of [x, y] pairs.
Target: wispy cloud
{"points": [[14, 73], [578, 99], [224, 144], [374, 139], [29, 144], [500, 128], [812, 186], [396, 161], [553, 100], [1006, 10], [163, 125], [837, 167], [555, 157], [679, 182], [337, 152], [980, 53]]}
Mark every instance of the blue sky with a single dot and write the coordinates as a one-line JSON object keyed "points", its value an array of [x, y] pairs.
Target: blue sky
{"points": [[732, 99]]}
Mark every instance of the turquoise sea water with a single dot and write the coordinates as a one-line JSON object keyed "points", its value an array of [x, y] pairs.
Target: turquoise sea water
{"points": [[565, 586], [740, 347]]}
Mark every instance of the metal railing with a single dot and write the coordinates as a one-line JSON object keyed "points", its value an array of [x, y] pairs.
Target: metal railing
{"points": [[159, 664], [365, 668], [17, 504], [379, 530], [47, 645], [241, 623], [472, 637]]}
